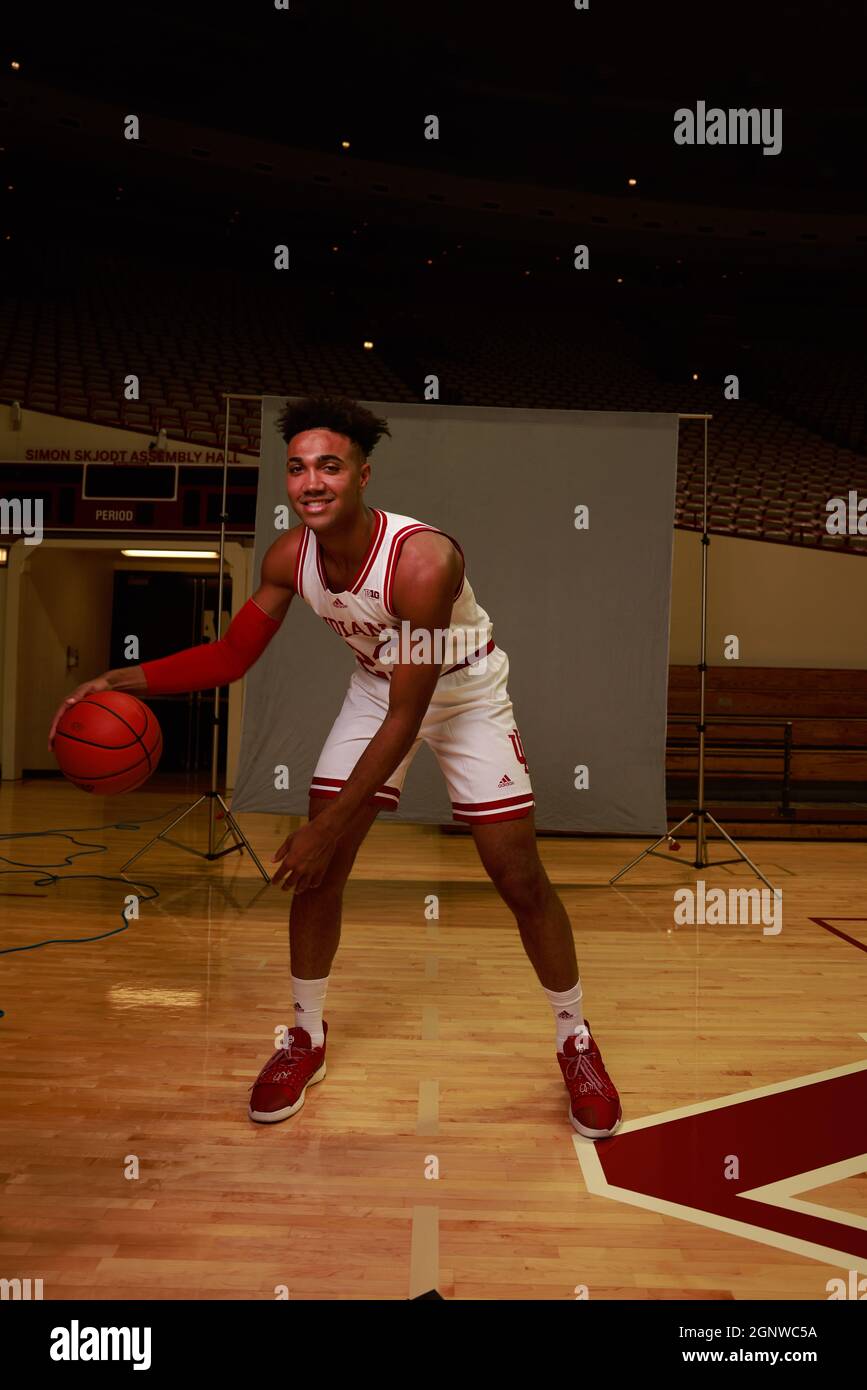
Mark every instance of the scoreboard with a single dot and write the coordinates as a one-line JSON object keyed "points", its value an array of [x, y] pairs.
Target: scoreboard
{"points": [[88, 498]]}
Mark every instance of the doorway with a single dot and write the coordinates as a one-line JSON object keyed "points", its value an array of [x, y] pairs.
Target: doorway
{"points": [[168, 612]]}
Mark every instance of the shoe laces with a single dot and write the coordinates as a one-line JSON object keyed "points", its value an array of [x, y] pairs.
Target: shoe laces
{"points": [[285, 1058], [581, 1065]]}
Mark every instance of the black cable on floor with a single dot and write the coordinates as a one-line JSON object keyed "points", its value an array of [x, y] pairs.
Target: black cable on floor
{"points": [[84, 848]]}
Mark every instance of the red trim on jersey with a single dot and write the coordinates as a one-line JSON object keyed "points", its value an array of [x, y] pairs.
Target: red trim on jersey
{"points": [[321, 571], [369, 557], [366, 662], [469, 660], [397, 541], [460, 589], [373, 551], [397, 544], [298, 576]]}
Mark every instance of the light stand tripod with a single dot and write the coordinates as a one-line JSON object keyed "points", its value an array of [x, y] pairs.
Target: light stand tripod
{"points": [[213, 797], [700, 814]]}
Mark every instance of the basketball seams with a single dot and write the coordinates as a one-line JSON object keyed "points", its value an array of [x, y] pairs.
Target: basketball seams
{"points": [[108, 709], [113, 747], [82, 782], [141, 768]]}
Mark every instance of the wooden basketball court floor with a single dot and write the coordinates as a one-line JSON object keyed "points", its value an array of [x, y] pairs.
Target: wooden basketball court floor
{"points": [[437, 1153]]}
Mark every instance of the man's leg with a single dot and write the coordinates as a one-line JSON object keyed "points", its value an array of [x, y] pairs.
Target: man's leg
{"points": [[509, 853], [314, 918], [314, 933], [510, 857]]}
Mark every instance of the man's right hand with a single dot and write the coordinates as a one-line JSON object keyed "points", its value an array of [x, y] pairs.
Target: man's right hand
{"points": [[99, 684]]}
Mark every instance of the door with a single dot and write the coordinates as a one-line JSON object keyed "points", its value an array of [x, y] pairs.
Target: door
{"points": [[169, 611]]}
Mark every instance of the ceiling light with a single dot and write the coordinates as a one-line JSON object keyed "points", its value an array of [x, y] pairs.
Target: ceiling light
{"points": [[172, 554]]}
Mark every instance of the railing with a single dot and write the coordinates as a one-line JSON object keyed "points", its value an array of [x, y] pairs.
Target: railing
{"points": [[743, 747], [763, 747]]}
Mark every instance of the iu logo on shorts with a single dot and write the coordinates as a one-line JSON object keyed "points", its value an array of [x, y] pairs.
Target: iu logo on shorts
{"points": [[515, 740]]}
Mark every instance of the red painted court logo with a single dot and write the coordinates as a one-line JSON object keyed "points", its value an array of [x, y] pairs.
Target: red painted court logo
{"points": [[515, 740]]}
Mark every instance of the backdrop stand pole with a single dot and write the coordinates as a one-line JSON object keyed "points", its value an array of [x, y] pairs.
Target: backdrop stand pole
{"points": [[213, 796], [700, 815]]}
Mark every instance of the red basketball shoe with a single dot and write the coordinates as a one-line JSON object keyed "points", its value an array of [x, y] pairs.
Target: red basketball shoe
{"points": [[278, 1090], [594, 1105]]}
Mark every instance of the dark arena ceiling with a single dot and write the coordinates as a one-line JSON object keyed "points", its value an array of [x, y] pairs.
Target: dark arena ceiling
{"points": [[545, 113]]}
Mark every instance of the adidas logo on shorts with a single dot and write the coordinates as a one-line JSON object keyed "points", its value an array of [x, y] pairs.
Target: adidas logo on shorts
{"points": [[505, 781]]}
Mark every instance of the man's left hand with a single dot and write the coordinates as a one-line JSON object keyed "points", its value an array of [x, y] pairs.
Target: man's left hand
{"points": [[306, 854]]}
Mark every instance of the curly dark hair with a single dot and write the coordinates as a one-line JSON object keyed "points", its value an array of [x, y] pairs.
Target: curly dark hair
{"points": [[337, 413]]}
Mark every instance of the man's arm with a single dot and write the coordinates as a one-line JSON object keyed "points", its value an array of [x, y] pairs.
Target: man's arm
{"points": [[212, 663], [428, 572], [219, 663], [426, 578]]}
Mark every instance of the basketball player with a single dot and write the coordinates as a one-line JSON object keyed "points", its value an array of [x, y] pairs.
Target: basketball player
{"points": [[369, 573]]}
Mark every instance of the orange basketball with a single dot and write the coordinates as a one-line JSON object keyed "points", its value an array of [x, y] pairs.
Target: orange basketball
{"points": [[107, 743]]}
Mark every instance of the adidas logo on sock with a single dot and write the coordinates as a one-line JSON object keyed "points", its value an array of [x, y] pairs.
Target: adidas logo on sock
{"points": [[505, 781], [565, 1014]]}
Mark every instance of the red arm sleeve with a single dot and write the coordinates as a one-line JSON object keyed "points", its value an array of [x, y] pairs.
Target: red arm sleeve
{"points": [[213, 663]]}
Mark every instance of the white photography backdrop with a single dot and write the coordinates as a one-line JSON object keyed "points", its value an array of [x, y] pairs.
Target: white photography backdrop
{"points": [[582, 614]]}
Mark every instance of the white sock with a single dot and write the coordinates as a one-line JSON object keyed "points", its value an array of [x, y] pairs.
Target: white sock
{"points": [[309, 999], [568, 1011]]}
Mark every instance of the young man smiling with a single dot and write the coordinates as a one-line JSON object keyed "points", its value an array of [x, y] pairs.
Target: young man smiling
{"points": [[367, 572]]}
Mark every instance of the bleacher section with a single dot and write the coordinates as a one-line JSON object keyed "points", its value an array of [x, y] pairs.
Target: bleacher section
{"points": [[786, 748], [187, 338], [190, 335], [770, 478], [823, 392]]}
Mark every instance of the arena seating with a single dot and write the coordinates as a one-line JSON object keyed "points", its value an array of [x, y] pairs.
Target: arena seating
{"points": [[190, 335], [824, 392], [188, 339], [816, 784]]}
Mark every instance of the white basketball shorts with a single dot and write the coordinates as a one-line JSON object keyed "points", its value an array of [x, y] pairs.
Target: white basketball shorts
{"points": [[470, 727]]}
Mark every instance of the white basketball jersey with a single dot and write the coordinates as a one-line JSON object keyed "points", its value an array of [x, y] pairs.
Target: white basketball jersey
{"points": [[363, 614]]}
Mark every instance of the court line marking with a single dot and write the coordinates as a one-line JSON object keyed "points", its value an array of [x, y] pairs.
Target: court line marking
{"points": [[427, 1121], [826, 923], [782, 1193], [597, 1183], [738, 1097], [424, 1259]]}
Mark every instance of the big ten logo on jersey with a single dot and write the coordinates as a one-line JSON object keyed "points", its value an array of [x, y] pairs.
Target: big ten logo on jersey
{"points": [[515, 740]]}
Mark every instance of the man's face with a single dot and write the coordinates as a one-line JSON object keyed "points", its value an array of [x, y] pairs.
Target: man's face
{"points": [[324, 481]]}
